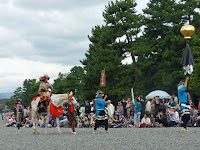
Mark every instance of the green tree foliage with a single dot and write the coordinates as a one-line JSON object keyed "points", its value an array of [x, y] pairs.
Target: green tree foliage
{"points": [[29, 91], [69, 82], [154, 42], [108, 45], [25, 93], [17, 95], [159, 49], [162, 21], [192, 15]]}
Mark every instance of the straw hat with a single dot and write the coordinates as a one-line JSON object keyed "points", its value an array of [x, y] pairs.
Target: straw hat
{"points": [[44, 77]]}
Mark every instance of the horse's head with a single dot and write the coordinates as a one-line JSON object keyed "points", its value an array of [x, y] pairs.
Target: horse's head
{"points": [[73, 99]]}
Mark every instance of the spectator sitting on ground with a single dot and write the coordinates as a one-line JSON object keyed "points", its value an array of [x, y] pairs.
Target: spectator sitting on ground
{"points": [[161, 119], [131, 119], [116, 117], [153, 120], [111, 122], [173, 117], [27, 122], [193, 116], [79, 124], [197, 124], [172, 103], [87, 124], [191, 103], [145, 122], [123, 122], [92, 119], [11, 121]]}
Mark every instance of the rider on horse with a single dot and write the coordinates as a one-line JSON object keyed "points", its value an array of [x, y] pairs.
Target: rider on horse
{"points": [[45, 90]]}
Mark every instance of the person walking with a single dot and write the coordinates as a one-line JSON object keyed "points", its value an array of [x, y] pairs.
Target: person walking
{"points": [[101, 114], [18, 111], [71, 116], [183, 99]]}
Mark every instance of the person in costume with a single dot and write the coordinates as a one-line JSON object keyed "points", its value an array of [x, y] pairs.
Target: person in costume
{"points": [[18, 110], [183, 99], [101, 112], [71, 115], [45, 91]]}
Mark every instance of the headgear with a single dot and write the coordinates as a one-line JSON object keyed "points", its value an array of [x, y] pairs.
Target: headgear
{"points": [[44, 77], [99, 92], [180, 85]]}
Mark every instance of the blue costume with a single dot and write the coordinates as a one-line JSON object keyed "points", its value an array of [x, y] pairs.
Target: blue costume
{"points": [[183, 99], [101, 112], [100, 105]]}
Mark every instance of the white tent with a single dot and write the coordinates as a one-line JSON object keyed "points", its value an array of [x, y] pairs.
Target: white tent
{"points": [[161, 94]]}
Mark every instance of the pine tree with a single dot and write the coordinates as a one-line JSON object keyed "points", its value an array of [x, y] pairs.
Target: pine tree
{"points": [[163, 20], [108, 45], [65, 83], [191, 16]]}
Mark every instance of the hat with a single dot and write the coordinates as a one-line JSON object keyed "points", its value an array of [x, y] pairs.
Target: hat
{"points": [[109, 101], [173, 109], [99, 92], [181, 84], [18, 99], [44, 77]]}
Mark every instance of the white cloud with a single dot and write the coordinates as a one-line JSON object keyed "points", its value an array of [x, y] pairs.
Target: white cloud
{"points": [[14, 71], [45, 36]]}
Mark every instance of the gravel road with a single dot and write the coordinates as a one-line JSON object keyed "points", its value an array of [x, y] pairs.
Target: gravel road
{"points": [[117, 139]]}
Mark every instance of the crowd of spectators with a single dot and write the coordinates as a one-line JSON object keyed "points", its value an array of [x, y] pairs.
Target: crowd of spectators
{"points": [[140, 113]]}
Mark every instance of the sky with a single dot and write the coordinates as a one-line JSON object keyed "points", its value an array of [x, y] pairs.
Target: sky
{"points": [[45, 37]]}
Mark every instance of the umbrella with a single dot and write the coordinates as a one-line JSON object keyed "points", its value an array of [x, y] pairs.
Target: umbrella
{"points": [[161, 94], [188, 60]]}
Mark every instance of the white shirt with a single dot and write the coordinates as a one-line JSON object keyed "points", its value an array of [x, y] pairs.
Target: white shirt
{"points": [[174, 116], [111, 110], [146, 120], [82, 111], [148, 106]]}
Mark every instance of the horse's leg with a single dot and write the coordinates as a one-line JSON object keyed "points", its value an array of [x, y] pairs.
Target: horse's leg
{"points": [[36, 124], [58, 124], [33, 115], [47, 120]]}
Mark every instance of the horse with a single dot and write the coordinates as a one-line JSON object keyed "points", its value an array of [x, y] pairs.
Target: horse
{"points": [[57, 100]]}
